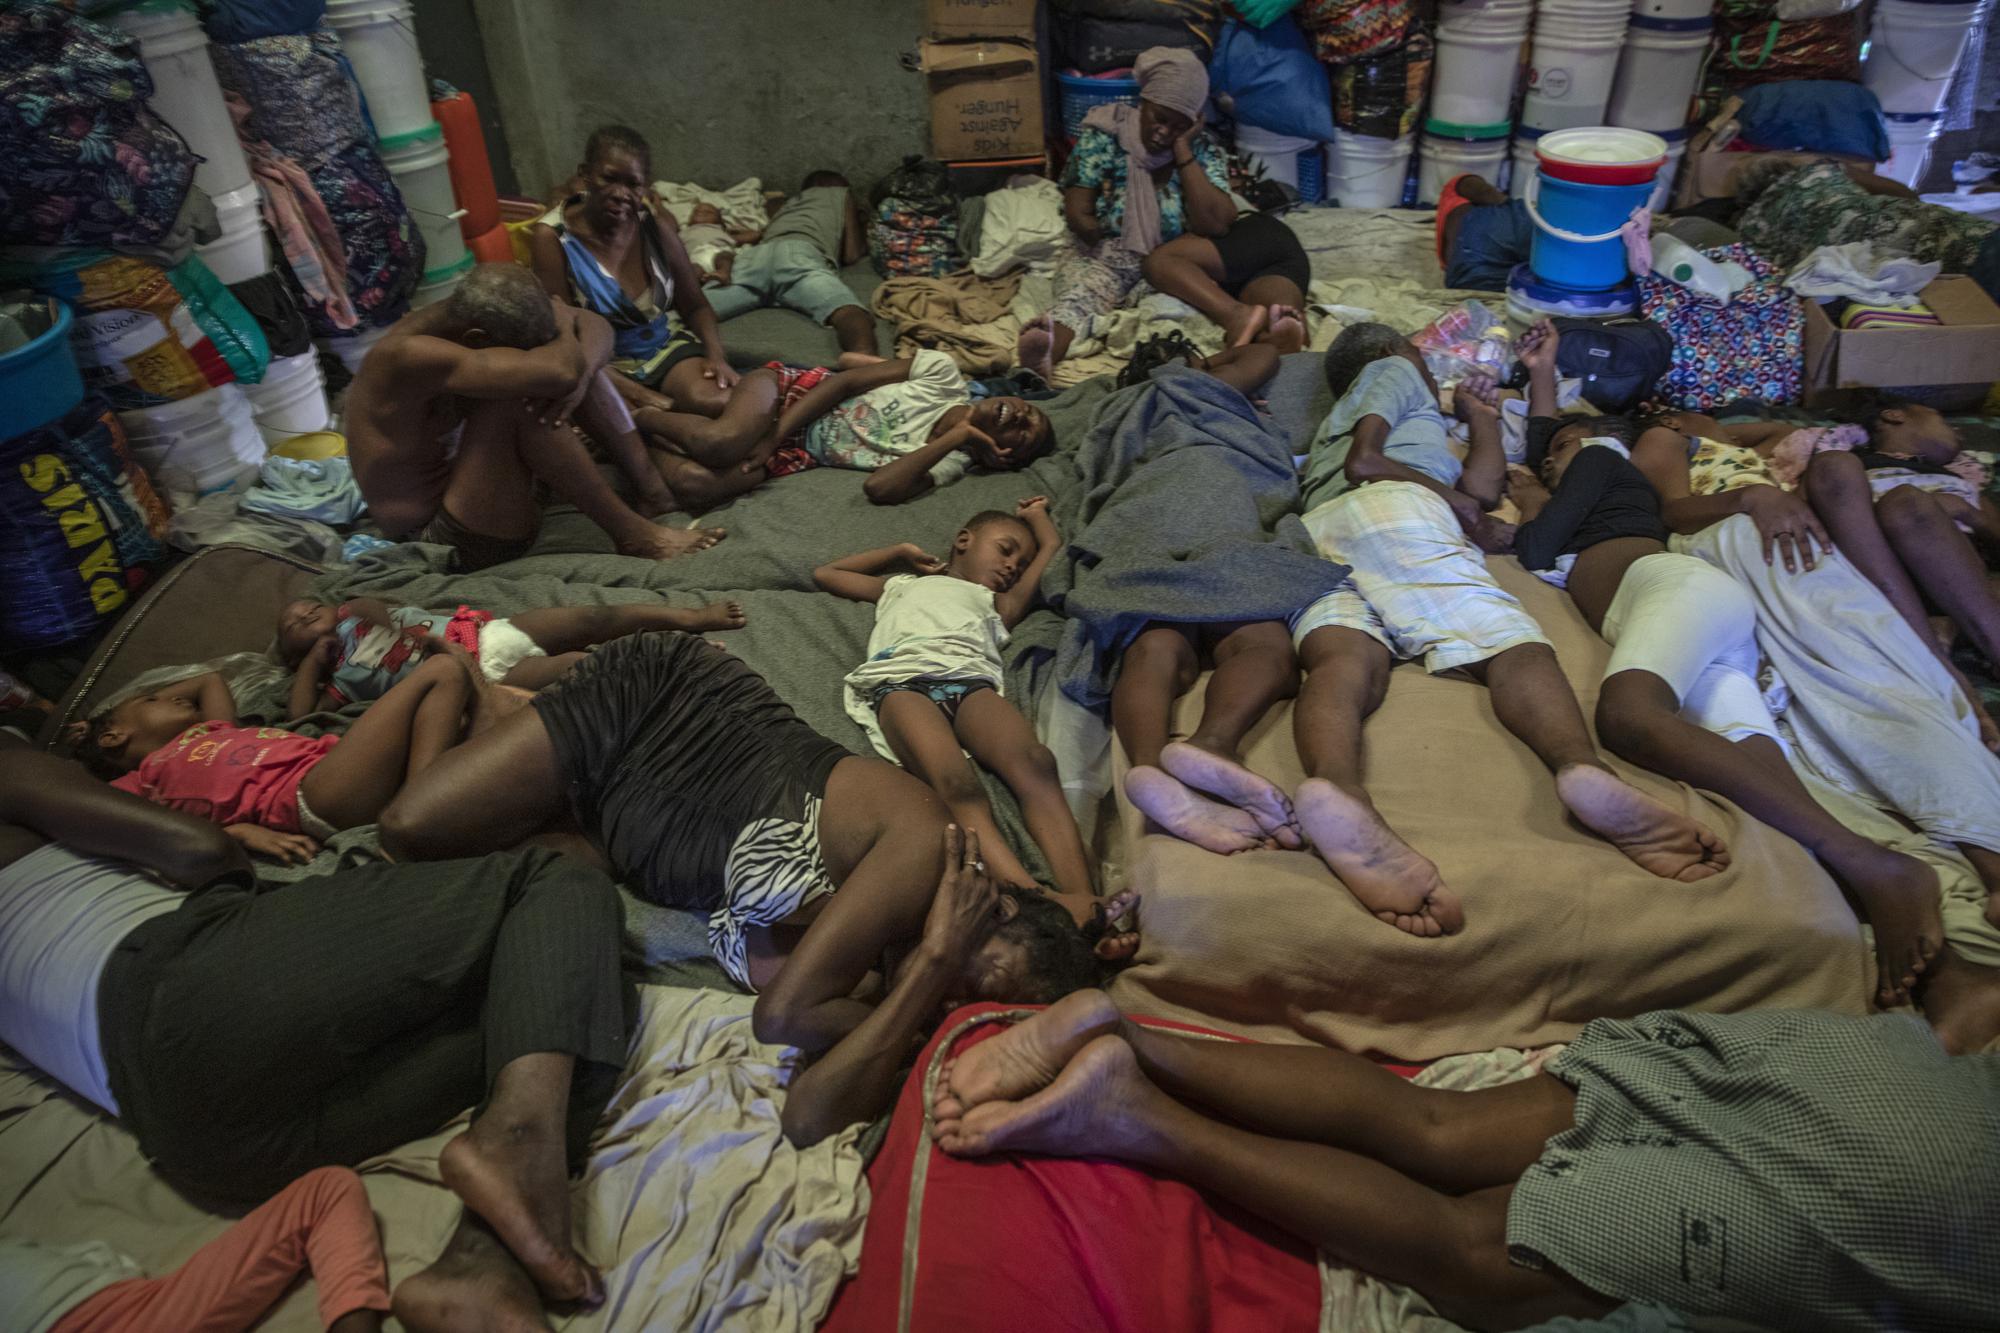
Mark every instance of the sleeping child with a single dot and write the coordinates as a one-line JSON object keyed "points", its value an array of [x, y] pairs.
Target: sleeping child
{"points": [[279, 793], [930, 689], [711, 246], [914, 425], [357, 650]]}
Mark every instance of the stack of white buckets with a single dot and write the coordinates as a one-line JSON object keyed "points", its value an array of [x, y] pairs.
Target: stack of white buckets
{"points": [[1666, 48], [1472, 90], [1575, 57], [215, 440], [380, 40], [1914, 48]]}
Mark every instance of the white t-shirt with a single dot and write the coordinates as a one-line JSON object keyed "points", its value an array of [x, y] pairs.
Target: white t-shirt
{"points": [[927, 627], [61, 915], [706, 242], [880, 426]]}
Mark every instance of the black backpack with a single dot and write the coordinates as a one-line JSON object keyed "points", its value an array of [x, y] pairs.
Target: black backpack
{"points": [[1618, 360]]}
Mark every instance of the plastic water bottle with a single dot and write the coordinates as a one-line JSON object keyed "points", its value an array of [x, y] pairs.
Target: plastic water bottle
{"points": [[1678, 262]]}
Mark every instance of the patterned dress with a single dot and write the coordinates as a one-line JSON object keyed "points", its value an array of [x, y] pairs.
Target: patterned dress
{"points": [[1092, 280], [1819, 205]]}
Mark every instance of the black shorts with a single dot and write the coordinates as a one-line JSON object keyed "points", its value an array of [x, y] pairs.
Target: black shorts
{"points": [[1258, 245], [668, 748]]}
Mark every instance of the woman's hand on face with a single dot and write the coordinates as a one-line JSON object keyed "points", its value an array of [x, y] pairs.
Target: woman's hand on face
{"points": [[966, 907]]}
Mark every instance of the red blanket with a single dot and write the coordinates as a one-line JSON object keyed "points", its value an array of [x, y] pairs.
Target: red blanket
{"points": [[1007, 1243]]}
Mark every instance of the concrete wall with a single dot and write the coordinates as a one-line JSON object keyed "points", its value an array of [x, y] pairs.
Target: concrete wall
{"points": [[723, 88]]}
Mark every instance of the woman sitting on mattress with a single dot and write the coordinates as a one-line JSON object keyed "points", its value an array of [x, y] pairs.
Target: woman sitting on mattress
{"points": [[246, 1038], [610, 251], [1776, 1169], [687, 774], [1138, 178]]}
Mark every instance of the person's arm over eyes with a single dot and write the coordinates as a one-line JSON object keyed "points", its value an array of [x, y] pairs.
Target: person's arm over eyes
{"points": [[210, 693], [858, 1078], [426, 365], [60, 801], [1541, 539]]}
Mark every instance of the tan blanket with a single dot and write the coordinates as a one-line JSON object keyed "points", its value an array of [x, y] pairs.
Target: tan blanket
{"points": [[1560, 928], [699, 1213]]}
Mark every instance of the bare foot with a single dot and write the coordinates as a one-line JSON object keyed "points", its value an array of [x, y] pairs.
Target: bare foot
{"points": [[1243, 327], [474, 1287], [1666, 844], [856, 360], [666, 543], [1036, 346], [1379, 868], [1898, 897], [1084, 1112], [1222, 829], [1026, 1057], [1222, 775], [1962, 1002], [713, 615], [1115, 945], [517, 1183], [1287, 331]]}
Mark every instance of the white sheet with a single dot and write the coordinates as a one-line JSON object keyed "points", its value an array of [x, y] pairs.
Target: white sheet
{"points": [[742, 204]]}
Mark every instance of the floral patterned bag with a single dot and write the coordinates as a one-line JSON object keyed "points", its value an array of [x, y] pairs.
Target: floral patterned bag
{"points": [[1751, 347]]}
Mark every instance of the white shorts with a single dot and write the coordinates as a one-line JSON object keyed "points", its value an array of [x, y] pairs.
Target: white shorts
{"points": [[502, 647], [1418, 585], [1694, 627]]}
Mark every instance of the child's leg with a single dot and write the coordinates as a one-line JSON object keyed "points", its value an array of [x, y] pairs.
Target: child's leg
{"points": [[855, 327], [1255, 667], [1639, 718], [1190, 268], [538, 673], [1159, 667], [1282, 297], [567, 629], [606, 417], [321, 1220], [1245, 369], [1001, 738], [724, 440], [924, 743], [399, 736], [1836, 485]]}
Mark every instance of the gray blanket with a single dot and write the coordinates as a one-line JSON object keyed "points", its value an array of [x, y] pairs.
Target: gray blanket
{"points": [[1186, 516]]}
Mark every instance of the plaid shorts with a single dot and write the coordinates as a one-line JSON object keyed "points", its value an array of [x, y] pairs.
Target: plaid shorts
{"points": [[794, 383], [1419, 587]]}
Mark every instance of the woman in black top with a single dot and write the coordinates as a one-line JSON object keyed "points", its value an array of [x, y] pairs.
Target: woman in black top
{"points": [[1681, 695]]}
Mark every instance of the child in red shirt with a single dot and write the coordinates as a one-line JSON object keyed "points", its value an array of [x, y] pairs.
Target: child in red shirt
{"points": [[277, 792]]}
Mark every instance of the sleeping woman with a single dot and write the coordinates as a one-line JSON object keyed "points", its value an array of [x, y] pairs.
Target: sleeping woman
{"points": [[1680, 695], [685, 773]]}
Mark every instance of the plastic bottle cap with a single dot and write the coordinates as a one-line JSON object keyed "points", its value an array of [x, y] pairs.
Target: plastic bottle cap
{"points": [[1682, 272]]}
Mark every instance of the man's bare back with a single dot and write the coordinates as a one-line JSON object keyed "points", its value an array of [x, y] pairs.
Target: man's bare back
{"points": [[399, 435]]}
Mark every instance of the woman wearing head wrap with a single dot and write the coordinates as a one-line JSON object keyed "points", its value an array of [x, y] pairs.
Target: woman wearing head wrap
{"points": [[1140, 175]]}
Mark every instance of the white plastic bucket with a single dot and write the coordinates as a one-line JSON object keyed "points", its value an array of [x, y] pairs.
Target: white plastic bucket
{"points": [[1910, 139], [437, 285], [352, 348], [198, 445], [1277, 153], [1363, 171], [291, 400], [380, 38], [1657, 73], [1501, 16], [1574, 60], [421, 167], [1913, 51], [1672, 9], [1473, 80], [239, 254], [1439, 158], [1663, 184], [185, 92]]}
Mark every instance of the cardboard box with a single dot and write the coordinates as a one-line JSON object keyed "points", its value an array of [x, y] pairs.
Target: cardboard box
{"points": [[1964, 349], [963, 20], [986, 99]]}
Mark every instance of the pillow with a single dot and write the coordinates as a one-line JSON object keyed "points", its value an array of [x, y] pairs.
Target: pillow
{"points": [[1273, 79]]}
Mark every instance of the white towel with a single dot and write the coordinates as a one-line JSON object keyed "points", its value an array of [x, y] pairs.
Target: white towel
{"points": [[742, 204], [1855, 271]]}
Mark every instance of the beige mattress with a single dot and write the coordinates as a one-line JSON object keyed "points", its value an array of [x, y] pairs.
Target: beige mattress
{"points": [[1560, 928]]}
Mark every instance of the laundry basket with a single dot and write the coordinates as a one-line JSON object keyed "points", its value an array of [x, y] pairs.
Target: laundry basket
{"points": [[1080, 92]]}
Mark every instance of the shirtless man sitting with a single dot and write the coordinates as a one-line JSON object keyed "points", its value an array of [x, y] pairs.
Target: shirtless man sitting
{"points": [[465, 405]]}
